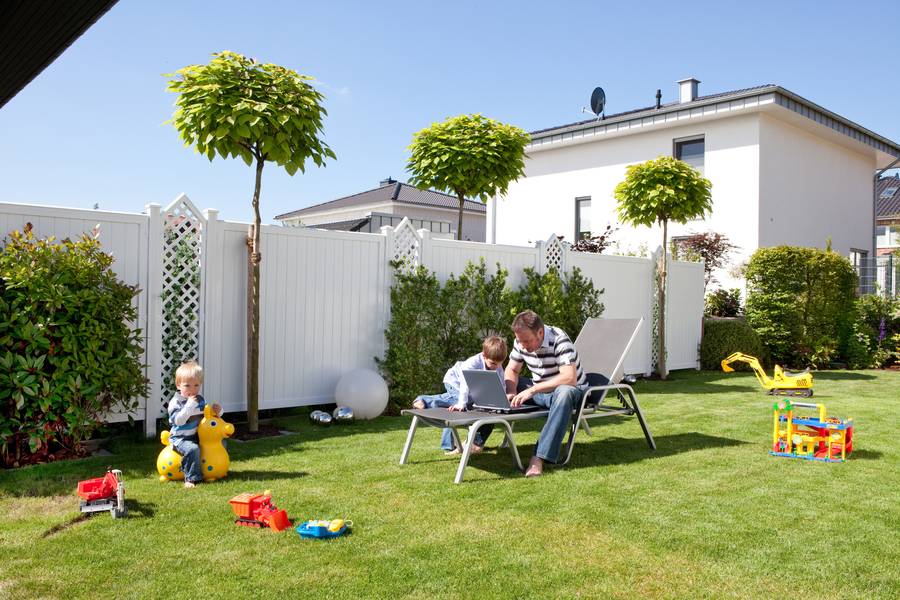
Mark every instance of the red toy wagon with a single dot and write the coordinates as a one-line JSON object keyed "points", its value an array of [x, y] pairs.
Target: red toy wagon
{"points": [[104, 493]]}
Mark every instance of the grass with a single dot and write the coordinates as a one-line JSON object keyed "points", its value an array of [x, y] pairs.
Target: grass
{"points": [[708, 515]]}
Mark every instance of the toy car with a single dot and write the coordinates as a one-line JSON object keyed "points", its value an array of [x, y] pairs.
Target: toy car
{"points": [[104, 493]]}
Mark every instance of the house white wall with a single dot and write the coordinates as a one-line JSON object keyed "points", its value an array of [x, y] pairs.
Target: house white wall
{"points": [[777, 178], [543, 202], [812, 188]]}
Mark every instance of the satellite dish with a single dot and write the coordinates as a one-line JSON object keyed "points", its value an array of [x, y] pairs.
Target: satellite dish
{"points": [[598, 100]]}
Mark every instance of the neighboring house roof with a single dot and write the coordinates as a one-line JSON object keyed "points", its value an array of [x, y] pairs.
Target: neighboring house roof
{"points": [[33, 34], [349, 225], [887, 197], [395, 191], [714, 103]]}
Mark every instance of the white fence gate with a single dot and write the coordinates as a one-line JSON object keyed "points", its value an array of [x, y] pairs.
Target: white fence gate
{"points": [[325, 295]]}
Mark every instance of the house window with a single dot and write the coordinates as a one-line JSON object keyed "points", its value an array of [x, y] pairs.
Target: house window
{"points": [[859, 260], [888, 192], [691, 151], [582, 218]]}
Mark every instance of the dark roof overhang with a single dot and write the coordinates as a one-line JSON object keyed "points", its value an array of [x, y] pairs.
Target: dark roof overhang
{"points": [[33, 33]]}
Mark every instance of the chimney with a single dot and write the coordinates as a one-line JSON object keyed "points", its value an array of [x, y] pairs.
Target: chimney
{"points": [[687, 89], [387, 181]]}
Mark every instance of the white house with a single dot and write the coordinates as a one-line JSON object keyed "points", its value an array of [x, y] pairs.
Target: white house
{"points": [[388, 204], [783, 170]]}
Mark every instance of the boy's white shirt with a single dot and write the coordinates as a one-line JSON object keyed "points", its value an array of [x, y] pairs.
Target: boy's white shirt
{"points": [[187, 411], [455, 377]]}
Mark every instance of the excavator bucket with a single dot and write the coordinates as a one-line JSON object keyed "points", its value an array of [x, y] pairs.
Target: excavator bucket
{"points": [[726, 367], [278, 520]]}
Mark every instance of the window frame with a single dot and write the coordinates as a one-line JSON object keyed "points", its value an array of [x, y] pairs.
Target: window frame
{"points": [[679, 142], [579, 203]]}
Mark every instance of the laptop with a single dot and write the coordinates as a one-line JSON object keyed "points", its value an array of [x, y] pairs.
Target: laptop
{"points": [[486, 393]]}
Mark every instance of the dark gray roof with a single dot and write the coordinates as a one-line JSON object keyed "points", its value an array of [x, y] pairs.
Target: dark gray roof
{"points": [[648, 114], [350, 225], [399, 192], [888, 205], [34, 32]]}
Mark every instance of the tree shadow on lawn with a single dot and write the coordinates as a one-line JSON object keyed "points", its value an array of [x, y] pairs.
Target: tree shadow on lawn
{"points": [[699, 384], [710, 382], [598, 452]]}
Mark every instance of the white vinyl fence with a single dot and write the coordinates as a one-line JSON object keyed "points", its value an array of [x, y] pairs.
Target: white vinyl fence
{"points": [[325, 295]]}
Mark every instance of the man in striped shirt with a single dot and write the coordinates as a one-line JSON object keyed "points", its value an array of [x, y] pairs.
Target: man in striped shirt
{"points": [[557, 381]]}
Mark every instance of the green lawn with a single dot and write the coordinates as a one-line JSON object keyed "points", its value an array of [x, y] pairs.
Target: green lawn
{"points": [[708, 515]]}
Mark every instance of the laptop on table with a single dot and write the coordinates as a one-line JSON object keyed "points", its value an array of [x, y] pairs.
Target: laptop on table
{"points": [[487, 393]]}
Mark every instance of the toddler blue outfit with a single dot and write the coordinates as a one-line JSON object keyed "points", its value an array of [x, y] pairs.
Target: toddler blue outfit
{"points": [[184, 418], [457, 395]]}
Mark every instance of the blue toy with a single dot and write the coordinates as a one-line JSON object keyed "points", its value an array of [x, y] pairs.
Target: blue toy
{"points": [[320, 529]]}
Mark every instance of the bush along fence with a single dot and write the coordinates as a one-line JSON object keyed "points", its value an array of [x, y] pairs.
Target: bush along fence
{"points": [[433, 325], [326, 297], [68, 350], [803, 311]]}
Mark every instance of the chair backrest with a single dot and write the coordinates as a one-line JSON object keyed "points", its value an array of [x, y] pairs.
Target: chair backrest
{"points": [[603, 344]]}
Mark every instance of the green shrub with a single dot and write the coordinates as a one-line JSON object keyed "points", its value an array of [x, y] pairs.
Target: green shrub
{"points": [[565, 302], [432, 325], [723, 303], [68, 353], [800, 301], [722, 337], [872, 344]]}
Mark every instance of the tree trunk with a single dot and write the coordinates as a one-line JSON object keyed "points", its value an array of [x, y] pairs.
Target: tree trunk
{"points": [[462, 200], [254, 257], [661, 363]]}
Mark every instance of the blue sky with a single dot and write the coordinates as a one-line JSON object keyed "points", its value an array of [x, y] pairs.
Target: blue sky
{"points": [[90, 129]]}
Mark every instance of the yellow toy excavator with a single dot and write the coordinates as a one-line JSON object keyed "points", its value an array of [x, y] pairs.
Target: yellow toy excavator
{"points": [[782, 383]]}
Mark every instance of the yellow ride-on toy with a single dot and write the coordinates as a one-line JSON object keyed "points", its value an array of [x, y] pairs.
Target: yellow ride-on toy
{"points": [[782, 383]]}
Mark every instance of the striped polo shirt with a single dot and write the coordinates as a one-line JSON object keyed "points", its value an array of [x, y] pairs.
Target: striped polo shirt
{"points": [[556, 350]]}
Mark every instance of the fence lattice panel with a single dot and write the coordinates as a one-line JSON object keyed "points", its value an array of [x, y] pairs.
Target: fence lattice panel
{"points": [[183, 228], [554, 255], [407, 245]]}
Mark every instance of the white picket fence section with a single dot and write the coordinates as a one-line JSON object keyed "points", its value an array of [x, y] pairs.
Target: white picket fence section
{"points": [[325, 295]]}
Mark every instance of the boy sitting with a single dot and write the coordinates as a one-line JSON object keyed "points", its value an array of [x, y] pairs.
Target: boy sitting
{"points": [[456, 398], [185, 413]]}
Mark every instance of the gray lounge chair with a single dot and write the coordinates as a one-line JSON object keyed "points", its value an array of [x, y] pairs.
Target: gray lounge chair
{"points": [[602, 346]]}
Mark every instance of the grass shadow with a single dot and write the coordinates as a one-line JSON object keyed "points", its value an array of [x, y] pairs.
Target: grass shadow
{"points": [[140, 510], [865, 455], [597, 452], [258, 476], [843, 376]]}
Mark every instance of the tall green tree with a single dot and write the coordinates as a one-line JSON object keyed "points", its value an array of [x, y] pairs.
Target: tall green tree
{"points": [[660, 191], [237, 107], [467, 156]]}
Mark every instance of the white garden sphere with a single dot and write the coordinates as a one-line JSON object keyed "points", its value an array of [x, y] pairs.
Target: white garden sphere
{"points": [[364, 391]]}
